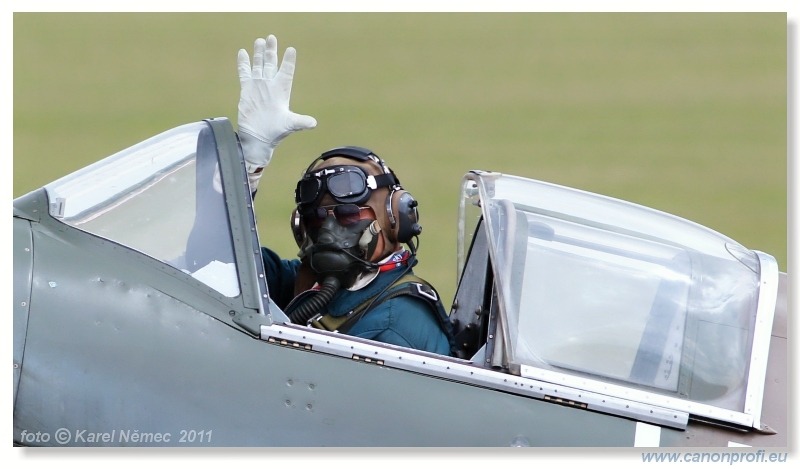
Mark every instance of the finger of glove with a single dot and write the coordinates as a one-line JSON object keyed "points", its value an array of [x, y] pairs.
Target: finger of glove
{"points": [[259, 50], [285, 75], [301, 122], [243, 65], [271, 57]]}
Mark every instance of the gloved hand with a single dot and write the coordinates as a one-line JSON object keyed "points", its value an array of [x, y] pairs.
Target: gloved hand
{"points": [[264, 115]]}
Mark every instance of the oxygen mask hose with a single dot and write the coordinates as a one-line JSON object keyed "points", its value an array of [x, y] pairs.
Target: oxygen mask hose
{"points": [[314, 303]]}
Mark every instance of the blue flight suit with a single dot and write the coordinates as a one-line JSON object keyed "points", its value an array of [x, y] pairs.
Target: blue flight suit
{"points": [[403, 320]]}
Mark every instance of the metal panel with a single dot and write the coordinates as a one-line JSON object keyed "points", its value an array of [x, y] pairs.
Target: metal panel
{"points": [[23, 272]]}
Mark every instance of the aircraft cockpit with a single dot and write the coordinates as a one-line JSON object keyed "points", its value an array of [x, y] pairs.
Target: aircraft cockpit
{"points": [[563, 294]]}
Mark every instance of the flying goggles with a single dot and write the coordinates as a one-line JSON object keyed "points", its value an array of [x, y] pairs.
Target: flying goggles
{"points": [[346, 184]]}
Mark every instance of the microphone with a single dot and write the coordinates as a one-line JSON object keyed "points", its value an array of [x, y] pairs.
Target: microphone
{"points": [[369, 234], [371, 265]]}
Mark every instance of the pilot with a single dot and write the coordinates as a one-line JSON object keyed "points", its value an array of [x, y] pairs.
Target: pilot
{"points": [[352, 221]]}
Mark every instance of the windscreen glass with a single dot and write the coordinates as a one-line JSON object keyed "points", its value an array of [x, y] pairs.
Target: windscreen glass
{"points": [[162, 197]]}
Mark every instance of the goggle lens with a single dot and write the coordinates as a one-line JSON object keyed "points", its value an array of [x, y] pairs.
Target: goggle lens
{"points": [[307, 190], [346, 184]]}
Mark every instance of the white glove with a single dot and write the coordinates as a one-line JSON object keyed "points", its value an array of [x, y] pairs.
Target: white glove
{"points": [[264, 115]]}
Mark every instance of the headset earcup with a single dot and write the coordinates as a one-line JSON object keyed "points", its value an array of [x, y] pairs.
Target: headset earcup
{"points": [[403, 209]]}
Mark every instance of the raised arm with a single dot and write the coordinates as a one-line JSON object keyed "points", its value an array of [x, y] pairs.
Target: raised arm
{"points": [[264, 116]]}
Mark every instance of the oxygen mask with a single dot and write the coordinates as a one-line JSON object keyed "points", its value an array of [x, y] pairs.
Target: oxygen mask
{"points": [[342, 240]]}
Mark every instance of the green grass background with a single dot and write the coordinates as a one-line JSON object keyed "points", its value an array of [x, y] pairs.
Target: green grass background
{"points": [[683, 112]]}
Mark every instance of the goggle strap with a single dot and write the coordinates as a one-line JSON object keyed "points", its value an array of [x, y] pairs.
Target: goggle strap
{"points": [[382, 180]]}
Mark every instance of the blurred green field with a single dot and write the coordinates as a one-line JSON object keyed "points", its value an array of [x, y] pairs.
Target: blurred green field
{"points": [[685, 113]]}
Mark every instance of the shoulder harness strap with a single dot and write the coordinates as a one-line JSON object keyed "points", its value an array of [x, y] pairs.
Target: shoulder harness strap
{"points": [[408, 284]]}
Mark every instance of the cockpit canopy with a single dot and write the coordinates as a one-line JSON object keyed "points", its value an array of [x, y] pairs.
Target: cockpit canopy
{"points": [[600, 293]]}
